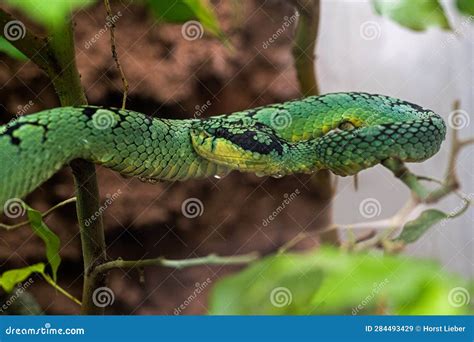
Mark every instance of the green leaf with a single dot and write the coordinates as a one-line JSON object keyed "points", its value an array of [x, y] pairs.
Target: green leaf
{"points": [[9, 49], [50, 239], [413, 230], [181, 11], [277, 282], [51, 13], [417, 15], [9, 279], [330, 281], [465, 6]]}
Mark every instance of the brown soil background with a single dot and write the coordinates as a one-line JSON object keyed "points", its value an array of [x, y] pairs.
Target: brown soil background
{"points": [[169, 77]]}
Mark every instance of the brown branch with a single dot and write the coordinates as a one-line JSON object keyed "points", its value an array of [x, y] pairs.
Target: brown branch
{"points": [[114, 52]]}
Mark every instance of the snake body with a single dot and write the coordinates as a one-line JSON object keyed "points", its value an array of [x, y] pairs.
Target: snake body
{"points": [[342, 132]]}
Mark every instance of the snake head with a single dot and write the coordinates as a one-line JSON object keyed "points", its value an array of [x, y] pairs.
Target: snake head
{"points": [[240, 146]]}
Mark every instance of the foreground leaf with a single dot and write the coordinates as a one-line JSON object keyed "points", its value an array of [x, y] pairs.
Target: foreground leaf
{"points": [[51, 13], [417, 15], [9, 279], [50, 239], [465, 6], [181, 11], [330, 281]]}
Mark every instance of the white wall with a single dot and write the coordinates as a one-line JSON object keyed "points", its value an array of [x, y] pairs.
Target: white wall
{"points": [[432, 69]]}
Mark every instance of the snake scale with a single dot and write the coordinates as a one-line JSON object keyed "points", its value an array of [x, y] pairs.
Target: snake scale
{"points": [[342, 132]]}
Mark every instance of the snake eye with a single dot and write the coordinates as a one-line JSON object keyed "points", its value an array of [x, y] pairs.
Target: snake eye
{"points": [[346, 126]]}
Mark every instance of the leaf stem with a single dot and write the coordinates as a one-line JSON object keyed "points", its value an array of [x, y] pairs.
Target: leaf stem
{"points": [[43, 215]]}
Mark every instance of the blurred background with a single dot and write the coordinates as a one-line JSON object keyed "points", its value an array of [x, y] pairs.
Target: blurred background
{"points": [[173, 77]]}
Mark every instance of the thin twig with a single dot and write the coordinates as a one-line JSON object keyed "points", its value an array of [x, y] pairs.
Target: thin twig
{"points": [[114, 52], [43, 215], [60, 289], [211, 259]]}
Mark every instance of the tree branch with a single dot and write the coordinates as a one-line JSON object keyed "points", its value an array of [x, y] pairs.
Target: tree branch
{"points": [[211, 259], [56, 56]]}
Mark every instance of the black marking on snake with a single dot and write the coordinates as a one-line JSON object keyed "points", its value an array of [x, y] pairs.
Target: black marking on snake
{"points": [[246, 141], [89, 111], [11, 129]]}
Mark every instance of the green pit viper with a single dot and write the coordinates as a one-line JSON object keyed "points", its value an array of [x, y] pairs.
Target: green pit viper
{"points": [[341, 132]]}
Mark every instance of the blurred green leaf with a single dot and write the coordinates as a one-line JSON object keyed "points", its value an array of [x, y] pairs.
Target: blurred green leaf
{"points": [[50, 239], [181, 11], [9, 49], [331, 281], [417, 15], [9, 279], [50, 13], [465, 6], [413, 230]]}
